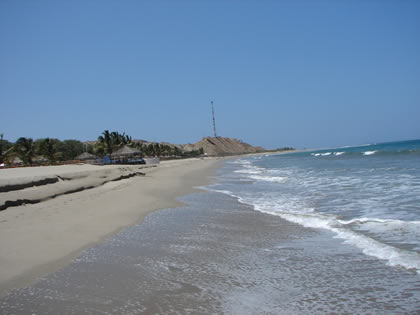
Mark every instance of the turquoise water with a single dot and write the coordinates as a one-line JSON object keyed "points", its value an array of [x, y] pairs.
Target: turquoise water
{"points": [[386, 148], [368, 196]]}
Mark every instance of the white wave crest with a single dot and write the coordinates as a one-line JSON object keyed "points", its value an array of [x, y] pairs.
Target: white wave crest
{"points": [[369, 152], [327, 153]]}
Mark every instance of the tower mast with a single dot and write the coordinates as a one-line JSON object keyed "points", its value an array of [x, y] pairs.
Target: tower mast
{"points": [[214, 120]]}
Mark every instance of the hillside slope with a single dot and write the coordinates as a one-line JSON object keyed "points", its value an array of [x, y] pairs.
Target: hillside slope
{"points": [[222, 146]]}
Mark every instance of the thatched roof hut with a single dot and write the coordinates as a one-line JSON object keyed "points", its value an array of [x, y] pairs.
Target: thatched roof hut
{"points": [[85, 156], [125, 151]]}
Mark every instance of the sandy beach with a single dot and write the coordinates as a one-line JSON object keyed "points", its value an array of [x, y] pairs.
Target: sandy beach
{"points": [[246, 243], [78, 206]]}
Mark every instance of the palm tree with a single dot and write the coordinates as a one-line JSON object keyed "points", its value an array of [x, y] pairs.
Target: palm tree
{"points": [[24, 149], [111, 141], [105, 143], [48, 148], [128, 139], [115, 139]]}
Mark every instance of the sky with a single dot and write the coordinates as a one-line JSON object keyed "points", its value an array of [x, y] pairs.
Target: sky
{"points": [[281, 73]]}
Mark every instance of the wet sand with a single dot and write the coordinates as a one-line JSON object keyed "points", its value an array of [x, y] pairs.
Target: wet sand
{"points": [[38, 239]]}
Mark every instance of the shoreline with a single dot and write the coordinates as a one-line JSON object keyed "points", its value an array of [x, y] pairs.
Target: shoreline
{"points": [[38, 239]]}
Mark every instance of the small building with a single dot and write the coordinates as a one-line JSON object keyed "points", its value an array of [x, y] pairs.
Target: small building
{"points": [[127, 155]]}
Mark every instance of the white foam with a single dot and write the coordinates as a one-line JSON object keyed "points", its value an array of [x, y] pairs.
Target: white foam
{"points": [[273, 179], [394, 256], [226, 192], [248, 168], [371, 247], [338, 153], [326, 153], [243, 162], [364, 220], [407, 232], [369, 152], [248, 171]]}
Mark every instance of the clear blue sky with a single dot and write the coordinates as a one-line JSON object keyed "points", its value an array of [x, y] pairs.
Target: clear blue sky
{"points": [[296, 73]]}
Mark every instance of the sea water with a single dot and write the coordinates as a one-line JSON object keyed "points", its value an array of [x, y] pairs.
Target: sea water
{"points": [[368, 196], [329, 231]]}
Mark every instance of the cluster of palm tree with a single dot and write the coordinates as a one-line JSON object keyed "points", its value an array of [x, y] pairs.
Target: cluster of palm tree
{"points": [[158, 149], [109, 142], [24, 148], [4, 148], [46, 150], [165, 150], [49, 150]]}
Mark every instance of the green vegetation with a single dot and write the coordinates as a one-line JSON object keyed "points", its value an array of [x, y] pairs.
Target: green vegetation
{"points": [[69, 149], [281, 149], [157, 149], [4, 147], [109, 142], [49, 149], [24, 149], [194, 153], [27, 151]]}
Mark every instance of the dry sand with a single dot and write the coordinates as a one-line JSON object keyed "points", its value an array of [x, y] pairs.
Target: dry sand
{"points": [[37, 239]]}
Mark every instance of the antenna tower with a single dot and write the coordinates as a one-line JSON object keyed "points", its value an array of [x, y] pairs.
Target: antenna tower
{"points": [[214, 120]]}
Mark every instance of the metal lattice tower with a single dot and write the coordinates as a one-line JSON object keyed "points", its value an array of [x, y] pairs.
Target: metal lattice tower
{"points": [[214, 120]]}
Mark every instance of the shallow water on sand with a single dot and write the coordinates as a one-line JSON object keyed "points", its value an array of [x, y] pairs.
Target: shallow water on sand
{"points": [[216, 255]]}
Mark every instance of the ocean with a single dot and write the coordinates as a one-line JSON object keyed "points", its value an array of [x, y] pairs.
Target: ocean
{"points": [[315, 232], [368, 196]]}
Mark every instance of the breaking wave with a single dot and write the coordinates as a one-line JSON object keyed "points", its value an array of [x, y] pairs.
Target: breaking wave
{"points": [[369, 246], [370, 152], [371, 204]]}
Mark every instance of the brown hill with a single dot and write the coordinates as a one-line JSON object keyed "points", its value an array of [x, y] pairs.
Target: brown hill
{"points": [[222, 146]]}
